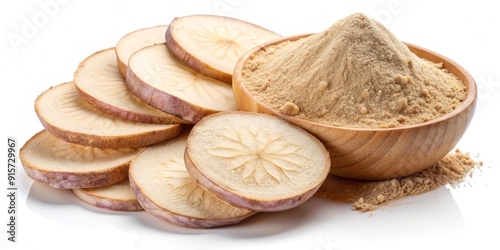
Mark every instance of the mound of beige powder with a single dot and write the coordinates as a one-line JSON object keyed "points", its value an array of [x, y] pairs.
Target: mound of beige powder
{"points": [[369, 195], [355, 73]]}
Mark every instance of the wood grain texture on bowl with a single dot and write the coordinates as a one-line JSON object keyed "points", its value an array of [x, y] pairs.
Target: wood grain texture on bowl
{"points": [[379, 153]]}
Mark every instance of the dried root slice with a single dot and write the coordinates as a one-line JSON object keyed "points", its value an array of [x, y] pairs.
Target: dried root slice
{"points": [[66, 115], [213, 44], [118, 197], [161, 80], [99, 83], [135, 41], [256, 161], [61, 164], [164, 188]]}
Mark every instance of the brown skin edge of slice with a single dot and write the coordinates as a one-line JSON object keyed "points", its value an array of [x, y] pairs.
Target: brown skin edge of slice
{"points": [[194, 62], [164, 101], [72, 180], [178, 219], [122, 67], [128, 115], [102, 202], [112, 142], [239, 200], [68, 180]]}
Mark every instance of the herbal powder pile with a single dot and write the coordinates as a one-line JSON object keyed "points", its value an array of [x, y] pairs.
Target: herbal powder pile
{"points": [[355, 73], [369, 195]]}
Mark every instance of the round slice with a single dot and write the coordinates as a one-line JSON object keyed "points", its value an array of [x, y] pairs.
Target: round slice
{"points": [[100, 84], [61, 164], [135, 41], [118, 197], [66, 115], [164, 188], [256, 161], [161, 80], [213, 44]]}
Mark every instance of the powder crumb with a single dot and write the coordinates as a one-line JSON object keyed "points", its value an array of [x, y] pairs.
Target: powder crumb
{"points": [[418, 180], [322, 85], [408, 182], [395, 183], [265, 86], [426, 93], [357, 62], [427, 181], [324, 111], [401, 119], [400, 104], [289, 108], [402, 79], [366, 196], [439, 65], [410, 63], [363, 110], [380, 198], [365, 94]]}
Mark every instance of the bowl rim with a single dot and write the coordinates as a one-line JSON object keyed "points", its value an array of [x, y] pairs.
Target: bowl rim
{"points": [[468, 81]]}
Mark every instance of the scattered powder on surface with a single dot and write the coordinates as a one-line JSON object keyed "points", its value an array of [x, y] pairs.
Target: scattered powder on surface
{"points": [[369, 195], [356, 73]]}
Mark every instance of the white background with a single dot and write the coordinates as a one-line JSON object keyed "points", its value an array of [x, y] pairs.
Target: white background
{"points": [[68, 31]]}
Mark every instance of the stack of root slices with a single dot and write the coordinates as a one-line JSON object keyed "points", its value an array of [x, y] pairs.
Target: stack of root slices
{"points": [[151, 124]]}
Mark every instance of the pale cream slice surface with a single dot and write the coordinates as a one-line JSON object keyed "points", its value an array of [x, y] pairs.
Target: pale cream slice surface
{"points": [[98, 78], [60, 164], [160, 175], [257, 157], [158, 67], [216, 40], [48, 153], [63, 107], [137, 40]]}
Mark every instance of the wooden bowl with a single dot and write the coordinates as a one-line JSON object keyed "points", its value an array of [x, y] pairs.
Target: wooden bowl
{"points": [[378, 153]]}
